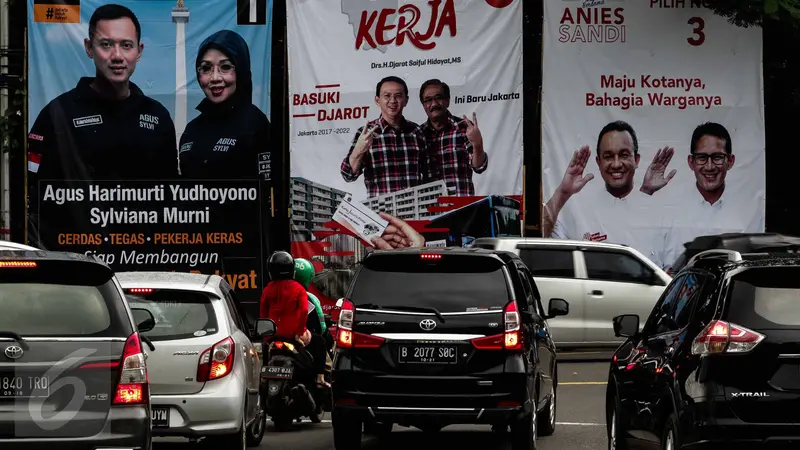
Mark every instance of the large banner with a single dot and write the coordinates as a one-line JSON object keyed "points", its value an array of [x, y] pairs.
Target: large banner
{"points": [[149, 136], [406, 124], [653, 126]]}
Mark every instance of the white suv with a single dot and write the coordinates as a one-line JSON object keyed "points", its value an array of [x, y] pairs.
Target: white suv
{"points": [[598, 280]]}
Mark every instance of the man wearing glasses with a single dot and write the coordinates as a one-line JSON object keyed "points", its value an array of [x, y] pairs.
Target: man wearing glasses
{"points": [[226, 140], [710, 209], [710, 159], [455, 144], [391, 150]]}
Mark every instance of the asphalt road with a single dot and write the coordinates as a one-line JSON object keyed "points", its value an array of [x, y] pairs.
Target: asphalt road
{"points": [[580, 423]]}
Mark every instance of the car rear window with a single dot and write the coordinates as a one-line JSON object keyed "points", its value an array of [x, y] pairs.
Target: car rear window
{"points": [[766, 298], [454, 283], [179, 314], [61, 299]]}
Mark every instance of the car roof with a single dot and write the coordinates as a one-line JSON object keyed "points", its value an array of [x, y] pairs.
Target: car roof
{"points": [[551, 241], [742, 242], [42, 255], [9, 245], [503, 255], [172, 280]]}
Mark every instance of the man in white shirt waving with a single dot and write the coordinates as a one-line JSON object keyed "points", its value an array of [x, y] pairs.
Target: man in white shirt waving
{"points": [[615, 211]]}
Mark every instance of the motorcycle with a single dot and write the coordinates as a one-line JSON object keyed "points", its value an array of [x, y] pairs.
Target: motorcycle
{"points": [[289, 387]]}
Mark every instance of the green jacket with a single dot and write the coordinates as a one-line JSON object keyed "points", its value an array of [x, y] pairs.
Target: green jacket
{"points": [[318, 308]]}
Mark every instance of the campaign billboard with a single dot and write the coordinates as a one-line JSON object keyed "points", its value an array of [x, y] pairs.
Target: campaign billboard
{"points": [[652, 125], [401, 114], [148, 140]]}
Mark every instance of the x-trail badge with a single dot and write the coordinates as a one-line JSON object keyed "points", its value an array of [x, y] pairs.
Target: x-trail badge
{"points": [[427, 324], [13, 351]]}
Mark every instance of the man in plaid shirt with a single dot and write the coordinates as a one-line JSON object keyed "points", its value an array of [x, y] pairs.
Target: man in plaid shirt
{"points": [[390, 151], [455, 144]]}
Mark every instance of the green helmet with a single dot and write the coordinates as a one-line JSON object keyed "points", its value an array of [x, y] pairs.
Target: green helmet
{"points": [[303, 271]]}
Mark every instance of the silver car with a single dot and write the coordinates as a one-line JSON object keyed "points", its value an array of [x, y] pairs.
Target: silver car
{"points": [[204, 370]]}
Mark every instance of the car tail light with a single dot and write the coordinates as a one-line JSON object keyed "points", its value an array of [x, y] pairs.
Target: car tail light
{"points": [[18, 264], [347, 338], [511, 339], [217, 361], [724, 337], [132, 388], [430, 256]]}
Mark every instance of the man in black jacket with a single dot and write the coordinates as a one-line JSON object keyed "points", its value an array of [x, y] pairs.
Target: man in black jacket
{"points": [[105, 128]]}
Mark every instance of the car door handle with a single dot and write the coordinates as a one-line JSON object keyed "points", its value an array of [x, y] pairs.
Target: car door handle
{"points": [[596, 292]]}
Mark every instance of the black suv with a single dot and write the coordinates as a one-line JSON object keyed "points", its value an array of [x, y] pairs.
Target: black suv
{"points": [[439, 336], [717, 364], [72, 364]]}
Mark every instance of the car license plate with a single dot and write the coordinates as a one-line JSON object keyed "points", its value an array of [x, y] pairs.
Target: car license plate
{"points": [[14, 385], [160, 416], [427, 354], [277, 372]]}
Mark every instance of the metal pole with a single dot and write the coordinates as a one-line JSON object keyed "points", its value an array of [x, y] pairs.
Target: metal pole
{"points": [[5, 200]]}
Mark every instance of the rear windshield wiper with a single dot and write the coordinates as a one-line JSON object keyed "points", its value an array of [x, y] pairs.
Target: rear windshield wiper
{"points": [[16, 337], [416, 308]]}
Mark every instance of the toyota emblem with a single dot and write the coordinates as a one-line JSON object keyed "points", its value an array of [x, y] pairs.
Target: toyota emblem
{"points": [[427, 324], [14, 351]]}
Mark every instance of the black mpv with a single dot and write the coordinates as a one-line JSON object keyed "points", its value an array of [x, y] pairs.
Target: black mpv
{"points": [[717, 364], [439, 336]]}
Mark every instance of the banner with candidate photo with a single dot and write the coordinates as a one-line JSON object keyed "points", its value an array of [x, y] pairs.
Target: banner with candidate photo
{"points": [[148, 138], [652, 125], [407, 117]]}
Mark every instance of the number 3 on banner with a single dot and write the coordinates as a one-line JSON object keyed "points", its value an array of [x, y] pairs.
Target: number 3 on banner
{"points": [[698, 35]]}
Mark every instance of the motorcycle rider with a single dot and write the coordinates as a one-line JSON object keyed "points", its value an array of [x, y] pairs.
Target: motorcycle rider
{"points": [[303, 273], [285, 301]]}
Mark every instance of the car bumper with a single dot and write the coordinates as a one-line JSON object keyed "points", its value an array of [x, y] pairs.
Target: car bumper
{"points": [[742, 436], [449, 400], [126, 428], [217, 409], [442, 416]]}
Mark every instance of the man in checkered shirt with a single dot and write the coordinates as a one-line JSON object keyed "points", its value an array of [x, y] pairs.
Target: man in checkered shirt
{"points": [[390, 151], [455, 144]]}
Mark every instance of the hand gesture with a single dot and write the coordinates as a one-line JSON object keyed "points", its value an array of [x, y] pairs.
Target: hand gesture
{"points": [[654, 178], [472, 131], [398, 234], [364, 142], [574, 180]]}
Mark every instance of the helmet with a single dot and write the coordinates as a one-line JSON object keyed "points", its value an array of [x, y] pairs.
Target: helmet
{"points": [[303, 271], [281, 266]]}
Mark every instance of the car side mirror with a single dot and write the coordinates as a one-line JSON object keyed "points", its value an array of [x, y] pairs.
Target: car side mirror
{"points": [[144, 319], [264, 328], [626, 325], [557, 307]]}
